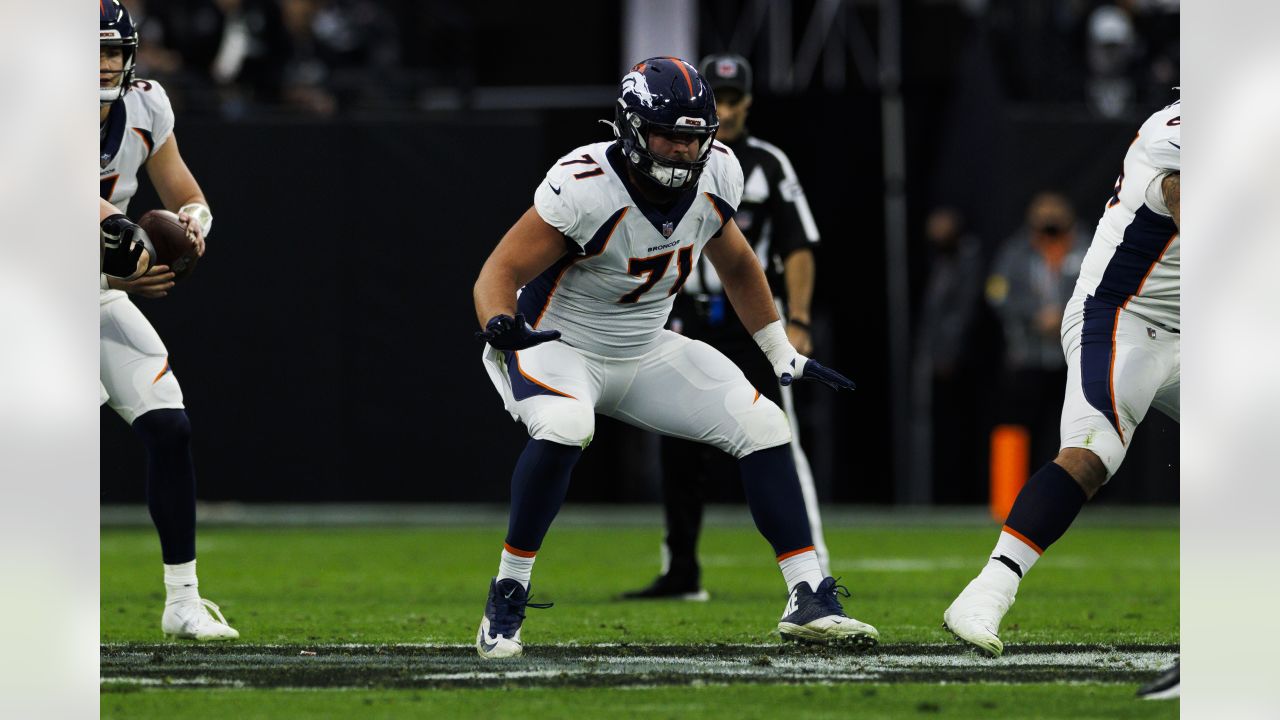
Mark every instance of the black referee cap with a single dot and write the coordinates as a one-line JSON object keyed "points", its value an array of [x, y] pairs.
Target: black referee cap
{"points": [[726, 70]]}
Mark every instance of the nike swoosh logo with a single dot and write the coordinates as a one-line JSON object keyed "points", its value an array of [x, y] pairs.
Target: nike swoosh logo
{"points": [[1175, 144], [508, 595], [489, 647], [554, 189]]}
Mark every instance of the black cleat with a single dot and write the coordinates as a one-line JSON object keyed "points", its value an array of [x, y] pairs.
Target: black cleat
{"points": [[816, 617], [670, 587]]}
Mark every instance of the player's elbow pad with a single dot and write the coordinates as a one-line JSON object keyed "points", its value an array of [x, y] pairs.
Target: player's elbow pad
{"points": [[122, 244]]}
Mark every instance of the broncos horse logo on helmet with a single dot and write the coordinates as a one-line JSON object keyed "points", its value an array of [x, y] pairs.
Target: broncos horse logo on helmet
{"points": [[666, 95], [116, 29]]}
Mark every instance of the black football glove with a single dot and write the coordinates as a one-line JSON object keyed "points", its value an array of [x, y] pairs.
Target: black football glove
{"points": [[122, 244], [811, 369], [509, 334]]}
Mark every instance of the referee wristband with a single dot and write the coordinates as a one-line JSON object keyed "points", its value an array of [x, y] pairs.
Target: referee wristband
{"points": [[800, 324]]}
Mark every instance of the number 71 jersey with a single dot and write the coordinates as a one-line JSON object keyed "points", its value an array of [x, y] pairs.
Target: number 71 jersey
{"points": [[611, 294]]}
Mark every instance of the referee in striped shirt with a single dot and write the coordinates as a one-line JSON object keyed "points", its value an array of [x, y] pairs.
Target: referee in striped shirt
{"points": [[776, 220]]}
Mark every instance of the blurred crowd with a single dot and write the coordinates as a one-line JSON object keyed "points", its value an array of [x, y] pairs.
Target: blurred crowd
{"points": [[237, 56], [1112, 55], [321, 57]]}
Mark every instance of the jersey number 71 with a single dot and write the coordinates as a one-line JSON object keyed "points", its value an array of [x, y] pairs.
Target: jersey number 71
{"points": [[654, 268]]}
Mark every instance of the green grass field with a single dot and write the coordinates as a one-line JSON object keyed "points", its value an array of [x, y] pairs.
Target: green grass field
{"points": [[1101, 585]]}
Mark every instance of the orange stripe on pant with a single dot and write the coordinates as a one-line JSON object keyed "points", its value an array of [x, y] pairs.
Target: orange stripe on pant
{"points": [[163, 370]]}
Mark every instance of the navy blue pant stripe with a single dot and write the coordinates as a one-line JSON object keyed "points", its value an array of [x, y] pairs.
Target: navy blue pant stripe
{"points": [[1097, 355], [522, 386]]}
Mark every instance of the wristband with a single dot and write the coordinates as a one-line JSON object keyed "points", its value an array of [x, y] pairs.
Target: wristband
{"points": [[800, 324], [772, 339], [201, 214]]}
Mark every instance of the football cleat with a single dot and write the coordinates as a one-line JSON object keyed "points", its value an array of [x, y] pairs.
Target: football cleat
{"points": [[974, 616], [670, 587], [197, 619], [499, 634], [817, 617], [1165, 687]]}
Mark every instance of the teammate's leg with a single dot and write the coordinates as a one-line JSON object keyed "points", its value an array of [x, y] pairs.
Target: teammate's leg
{"points": [[1115, 369], [142, 389], [550, 388], [688, 389]]}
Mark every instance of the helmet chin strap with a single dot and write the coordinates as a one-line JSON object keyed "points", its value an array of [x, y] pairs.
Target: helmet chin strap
{"points": [[108, 95]]}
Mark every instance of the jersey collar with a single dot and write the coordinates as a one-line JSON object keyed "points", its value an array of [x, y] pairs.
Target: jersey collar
{"points": [[659, 218], [112, 136]]}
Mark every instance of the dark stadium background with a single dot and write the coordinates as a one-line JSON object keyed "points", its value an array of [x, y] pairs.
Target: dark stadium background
{"points": [[325, 343]]}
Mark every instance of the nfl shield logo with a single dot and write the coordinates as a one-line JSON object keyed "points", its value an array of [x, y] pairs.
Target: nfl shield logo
{"points": [[668, 227]]}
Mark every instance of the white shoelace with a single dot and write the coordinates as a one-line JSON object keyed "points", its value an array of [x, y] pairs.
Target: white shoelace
{"points": [[213, 609]]}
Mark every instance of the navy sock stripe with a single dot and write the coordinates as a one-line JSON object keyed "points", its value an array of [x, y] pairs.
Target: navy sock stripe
{"points": [[1046, 506]]}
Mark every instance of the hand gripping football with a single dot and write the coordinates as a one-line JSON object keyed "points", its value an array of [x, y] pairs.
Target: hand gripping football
{"points": [[173, 247]]}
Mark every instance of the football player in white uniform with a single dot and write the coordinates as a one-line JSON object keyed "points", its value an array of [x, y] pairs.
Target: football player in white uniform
{"points": [[615, 230], [136, 131], [1120, 333]]}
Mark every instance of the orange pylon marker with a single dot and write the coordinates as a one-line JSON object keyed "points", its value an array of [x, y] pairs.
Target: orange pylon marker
{"points": [[1010, 463]]}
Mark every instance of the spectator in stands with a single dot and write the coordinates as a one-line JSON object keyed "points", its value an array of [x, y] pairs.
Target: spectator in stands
{"points": [[232, 50], [1112, 54], [947, 360], [1033, 277]]}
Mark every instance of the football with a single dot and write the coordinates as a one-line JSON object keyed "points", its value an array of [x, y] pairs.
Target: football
{"points": [[173, 247]]}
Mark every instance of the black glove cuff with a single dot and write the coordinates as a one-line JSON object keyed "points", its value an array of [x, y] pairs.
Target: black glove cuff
{"points": [[123, 242]]}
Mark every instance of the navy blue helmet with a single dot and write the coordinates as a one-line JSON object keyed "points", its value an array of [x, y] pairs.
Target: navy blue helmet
{"points": [[117, 30], [668, 96]]}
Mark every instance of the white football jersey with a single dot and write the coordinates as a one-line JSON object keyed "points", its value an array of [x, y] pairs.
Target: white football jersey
{"points": [[134, 131], [1134, 262], [136, 127], [612, 293]]}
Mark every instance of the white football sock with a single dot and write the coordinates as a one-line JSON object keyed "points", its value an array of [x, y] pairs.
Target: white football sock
{"points": [[515, 567], [1012, 547], [180, 584], [802, 567]]}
